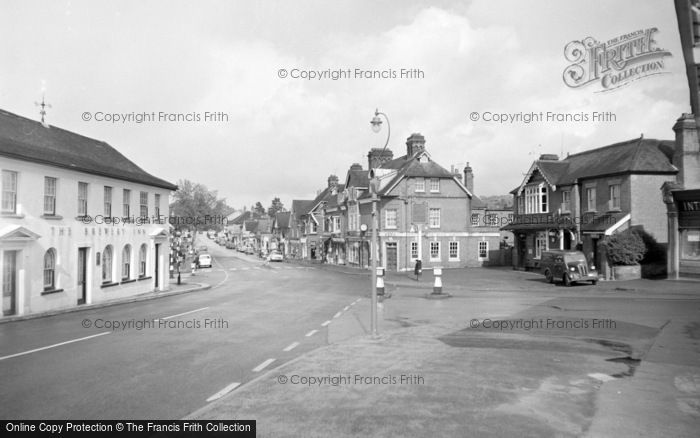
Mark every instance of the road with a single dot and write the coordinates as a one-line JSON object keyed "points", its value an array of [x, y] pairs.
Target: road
{"points": [[255, 317]]}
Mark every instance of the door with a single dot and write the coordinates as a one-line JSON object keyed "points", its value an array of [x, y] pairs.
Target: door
{"points": [[157, 263], [82, 275], [391, 256], [9, 283]]}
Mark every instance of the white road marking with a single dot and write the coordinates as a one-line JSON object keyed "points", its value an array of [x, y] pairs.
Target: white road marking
{"points": [[311, 333], [54, 345], [263, 365], [337, 315], [602, 377], [325, 323], [184, 313], [223, 392], [291, 346], [346, 308]]}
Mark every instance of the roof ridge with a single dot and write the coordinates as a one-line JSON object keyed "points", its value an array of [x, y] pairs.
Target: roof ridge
{"points": [[610, 146]]}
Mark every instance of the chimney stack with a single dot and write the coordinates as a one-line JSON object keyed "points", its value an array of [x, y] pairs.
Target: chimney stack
{"points": [[414, 144], [469, 178], [375, 158], [686, 156]]}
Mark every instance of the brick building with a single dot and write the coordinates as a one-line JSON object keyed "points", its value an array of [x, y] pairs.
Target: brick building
{"points": [[577, 201]]}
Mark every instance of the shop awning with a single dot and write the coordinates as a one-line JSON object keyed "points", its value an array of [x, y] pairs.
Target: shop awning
{"points": [[606, 223]]}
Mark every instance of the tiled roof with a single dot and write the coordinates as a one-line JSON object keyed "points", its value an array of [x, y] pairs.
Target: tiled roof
{"points": [[282, 219], [301, 207], [357, 178], [633, 156], [412, 167], [251, 226], [29, 140]]}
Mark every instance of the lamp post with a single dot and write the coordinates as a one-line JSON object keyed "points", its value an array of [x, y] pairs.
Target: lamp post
{"points": [[374, 187]]}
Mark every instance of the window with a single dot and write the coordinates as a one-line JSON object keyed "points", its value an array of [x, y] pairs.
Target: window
{"points": [[157, 206], [335, 223], [690, 244], [142, 260], [82, 198], [107, 264], [614, 197], [540, 243], [454, 250], [434, 218], [126, 262], [483, 250], [521, 205], [353, 217], [420, 185], [9, 191], [143, 199], [475, 219], [536, 200], [434, 185], [50, 269], [566, 201], [49, 196], [590, 199], [126, 202], [434, 251], [414, 250], [390, 218], [108, 201]]}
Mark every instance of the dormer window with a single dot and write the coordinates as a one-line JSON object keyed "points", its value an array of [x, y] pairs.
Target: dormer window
{"points": [[536, 199]]}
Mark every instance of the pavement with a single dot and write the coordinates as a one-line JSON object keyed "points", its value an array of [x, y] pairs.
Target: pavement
{"points": [[435, 368], [173, 289]]}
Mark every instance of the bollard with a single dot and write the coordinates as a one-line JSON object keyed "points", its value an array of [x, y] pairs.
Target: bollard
{"points": [[172, 271], [380, 281], [178, 277], [437, 287], [193, 267]]}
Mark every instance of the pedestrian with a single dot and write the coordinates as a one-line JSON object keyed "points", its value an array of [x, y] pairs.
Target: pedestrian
{"points": [[418, 269]]}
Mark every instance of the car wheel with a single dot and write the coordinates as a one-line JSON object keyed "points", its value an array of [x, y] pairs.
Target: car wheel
{"points": [[594, 282], [567, 280], [548, 276]]}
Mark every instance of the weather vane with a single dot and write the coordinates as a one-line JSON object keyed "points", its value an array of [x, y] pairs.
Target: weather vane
{"points": [[43, 104]]}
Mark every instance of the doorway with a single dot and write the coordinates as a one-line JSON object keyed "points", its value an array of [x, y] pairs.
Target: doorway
{"points": [[391, 256], [157, 264], [82, 275], [9, 283]]}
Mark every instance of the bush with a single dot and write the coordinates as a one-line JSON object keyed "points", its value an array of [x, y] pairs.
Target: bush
{"points": [[626, 248]]}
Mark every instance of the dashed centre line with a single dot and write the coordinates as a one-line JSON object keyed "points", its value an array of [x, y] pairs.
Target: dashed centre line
{"points": [[326, 323], [263, 365], [223, 392], [311, 333], [291, 346]]}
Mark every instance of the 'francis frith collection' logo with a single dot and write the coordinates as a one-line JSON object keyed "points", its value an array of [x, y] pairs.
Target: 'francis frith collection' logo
{"points": [[614, 63]]}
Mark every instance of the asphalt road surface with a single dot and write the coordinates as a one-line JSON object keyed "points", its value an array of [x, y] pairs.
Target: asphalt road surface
{"points": [[164, 358]]}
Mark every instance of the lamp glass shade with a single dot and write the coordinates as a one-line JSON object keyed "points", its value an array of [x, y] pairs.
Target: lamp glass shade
{"points": [[376, 124]]}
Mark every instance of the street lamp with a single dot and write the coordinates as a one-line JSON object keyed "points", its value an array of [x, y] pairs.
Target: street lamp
{"points": [[374, 187]]}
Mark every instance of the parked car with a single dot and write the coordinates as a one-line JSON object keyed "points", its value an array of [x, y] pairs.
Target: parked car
{"points": [[567, 266], [202, 248], [204, 261], [275, 256], [249, 250]]}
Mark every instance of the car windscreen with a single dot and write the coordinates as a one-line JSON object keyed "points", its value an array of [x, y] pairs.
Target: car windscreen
{"points": [[575, 259]]}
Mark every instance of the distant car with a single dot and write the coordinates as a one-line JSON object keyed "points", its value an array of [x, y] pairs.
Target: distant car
{"points": [[229, 245], [249, 250], [202, 248], [275, 256], [204, 261], [567, 266]]}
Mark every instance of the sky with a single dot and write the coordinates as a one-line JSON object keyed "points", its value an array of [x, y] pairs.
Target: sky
{"points": [[283, 132]]}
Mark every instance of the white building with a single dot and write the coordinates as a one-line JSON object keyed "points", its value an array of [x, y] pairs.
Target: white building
{"points": [[78, 221]]}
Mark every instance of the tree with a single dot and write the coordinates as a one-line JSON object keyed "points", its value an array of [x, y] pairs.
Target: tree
{"points": [[258, 209], [275, 207], [626, 248], [196, 208]]}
